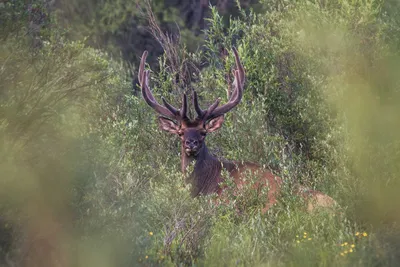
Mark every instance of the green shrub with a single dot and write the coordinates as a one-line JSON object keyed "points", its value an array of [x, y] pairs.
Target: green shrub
{"points": [[293, 117], [320, 108]]}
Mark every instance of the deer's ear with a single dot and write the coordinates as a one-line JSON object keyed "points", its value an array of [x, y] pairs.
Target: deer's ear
{"points": [[214, 124], [168, 125]]}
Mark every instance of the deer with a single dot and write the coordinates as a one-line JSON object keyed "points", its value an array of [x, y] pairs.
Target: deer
{"points": [[207, 175]]}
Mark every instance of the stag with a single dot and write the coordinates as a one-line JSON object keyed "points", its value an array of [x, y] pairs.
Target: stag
{"points": [[207, 176]]}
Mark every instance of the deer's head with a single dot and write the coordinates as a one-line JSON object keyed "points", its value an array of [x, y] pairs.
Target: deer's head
{"points": [[192, 132]]}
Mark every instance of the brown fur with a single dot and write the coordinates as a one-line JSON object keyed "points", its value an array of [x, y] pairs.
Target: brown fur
{"points": [[207, 176]]}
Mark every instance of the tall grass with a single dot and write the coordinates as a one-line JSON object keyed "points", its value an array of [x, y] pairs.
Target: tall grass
{"points": [[87, 179]]}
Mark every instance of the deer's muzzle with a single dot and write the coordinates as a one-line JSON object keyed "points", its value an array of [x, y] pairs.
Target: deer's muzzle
{"points": [[192, 147]]}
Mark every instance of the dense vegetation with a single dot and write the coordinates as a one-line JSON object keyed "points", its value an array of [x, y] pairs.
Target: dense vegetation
{"points": [[88, 179]]}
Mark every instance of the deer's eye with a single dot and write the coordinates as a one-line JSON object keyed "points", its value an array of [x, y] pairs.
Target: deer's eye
{"points": [[203, 133]]}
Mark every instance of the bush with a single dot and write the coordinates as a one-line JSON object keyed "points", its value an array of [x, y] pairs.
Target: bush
{"points": [[85, 157]]}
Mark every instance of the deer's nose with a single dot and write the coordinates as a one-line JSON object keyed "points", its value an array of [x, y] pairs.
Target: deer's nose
{"points": [[190, 143]]}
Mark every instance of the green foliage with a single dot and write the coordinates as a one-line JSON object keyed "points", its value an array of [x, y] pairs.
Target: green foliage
{"points": [[320, 108], [50, 104], [121, 27]]}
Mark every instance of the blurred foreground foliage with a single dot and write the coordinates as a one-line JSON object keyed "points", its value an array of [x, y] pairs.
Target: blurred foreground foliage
{"points": [[87, 179]]}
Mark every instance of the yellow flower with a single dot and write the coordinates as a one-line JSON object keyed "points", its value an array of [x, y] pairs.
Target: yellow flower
{"points": [[297, 235], [358, 233], [304, 236], [309, 238], [351, 250], [305, 233], [345, 252], [365, 234], [342, 254], [341, 245], [150, 233], [297, 241], [352, 245], [345, 243], [147, 257]]}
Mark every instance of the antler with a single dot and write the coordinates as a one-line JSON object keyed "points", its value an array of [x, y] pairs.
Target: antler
{"points": [[214, 111], [167, 110]]}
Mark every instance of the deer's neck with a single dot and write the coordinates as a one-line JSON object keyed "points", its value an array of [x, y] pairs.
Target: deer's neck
{"points": [[206, 173]]}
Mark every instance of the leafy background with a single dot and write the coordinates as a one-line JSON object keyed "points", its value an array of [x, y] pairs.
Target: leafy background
{"points": [[88, 179]]}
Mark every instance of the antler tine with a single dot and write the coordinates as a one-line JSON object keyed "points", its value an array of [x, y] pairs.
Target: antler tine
{"points": [[239, 66], [240, 69], [184, 107], [168, 110], [236, 96], [171, 108], [182, 112], [201, 114], [196, 105], [211, 108]]}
